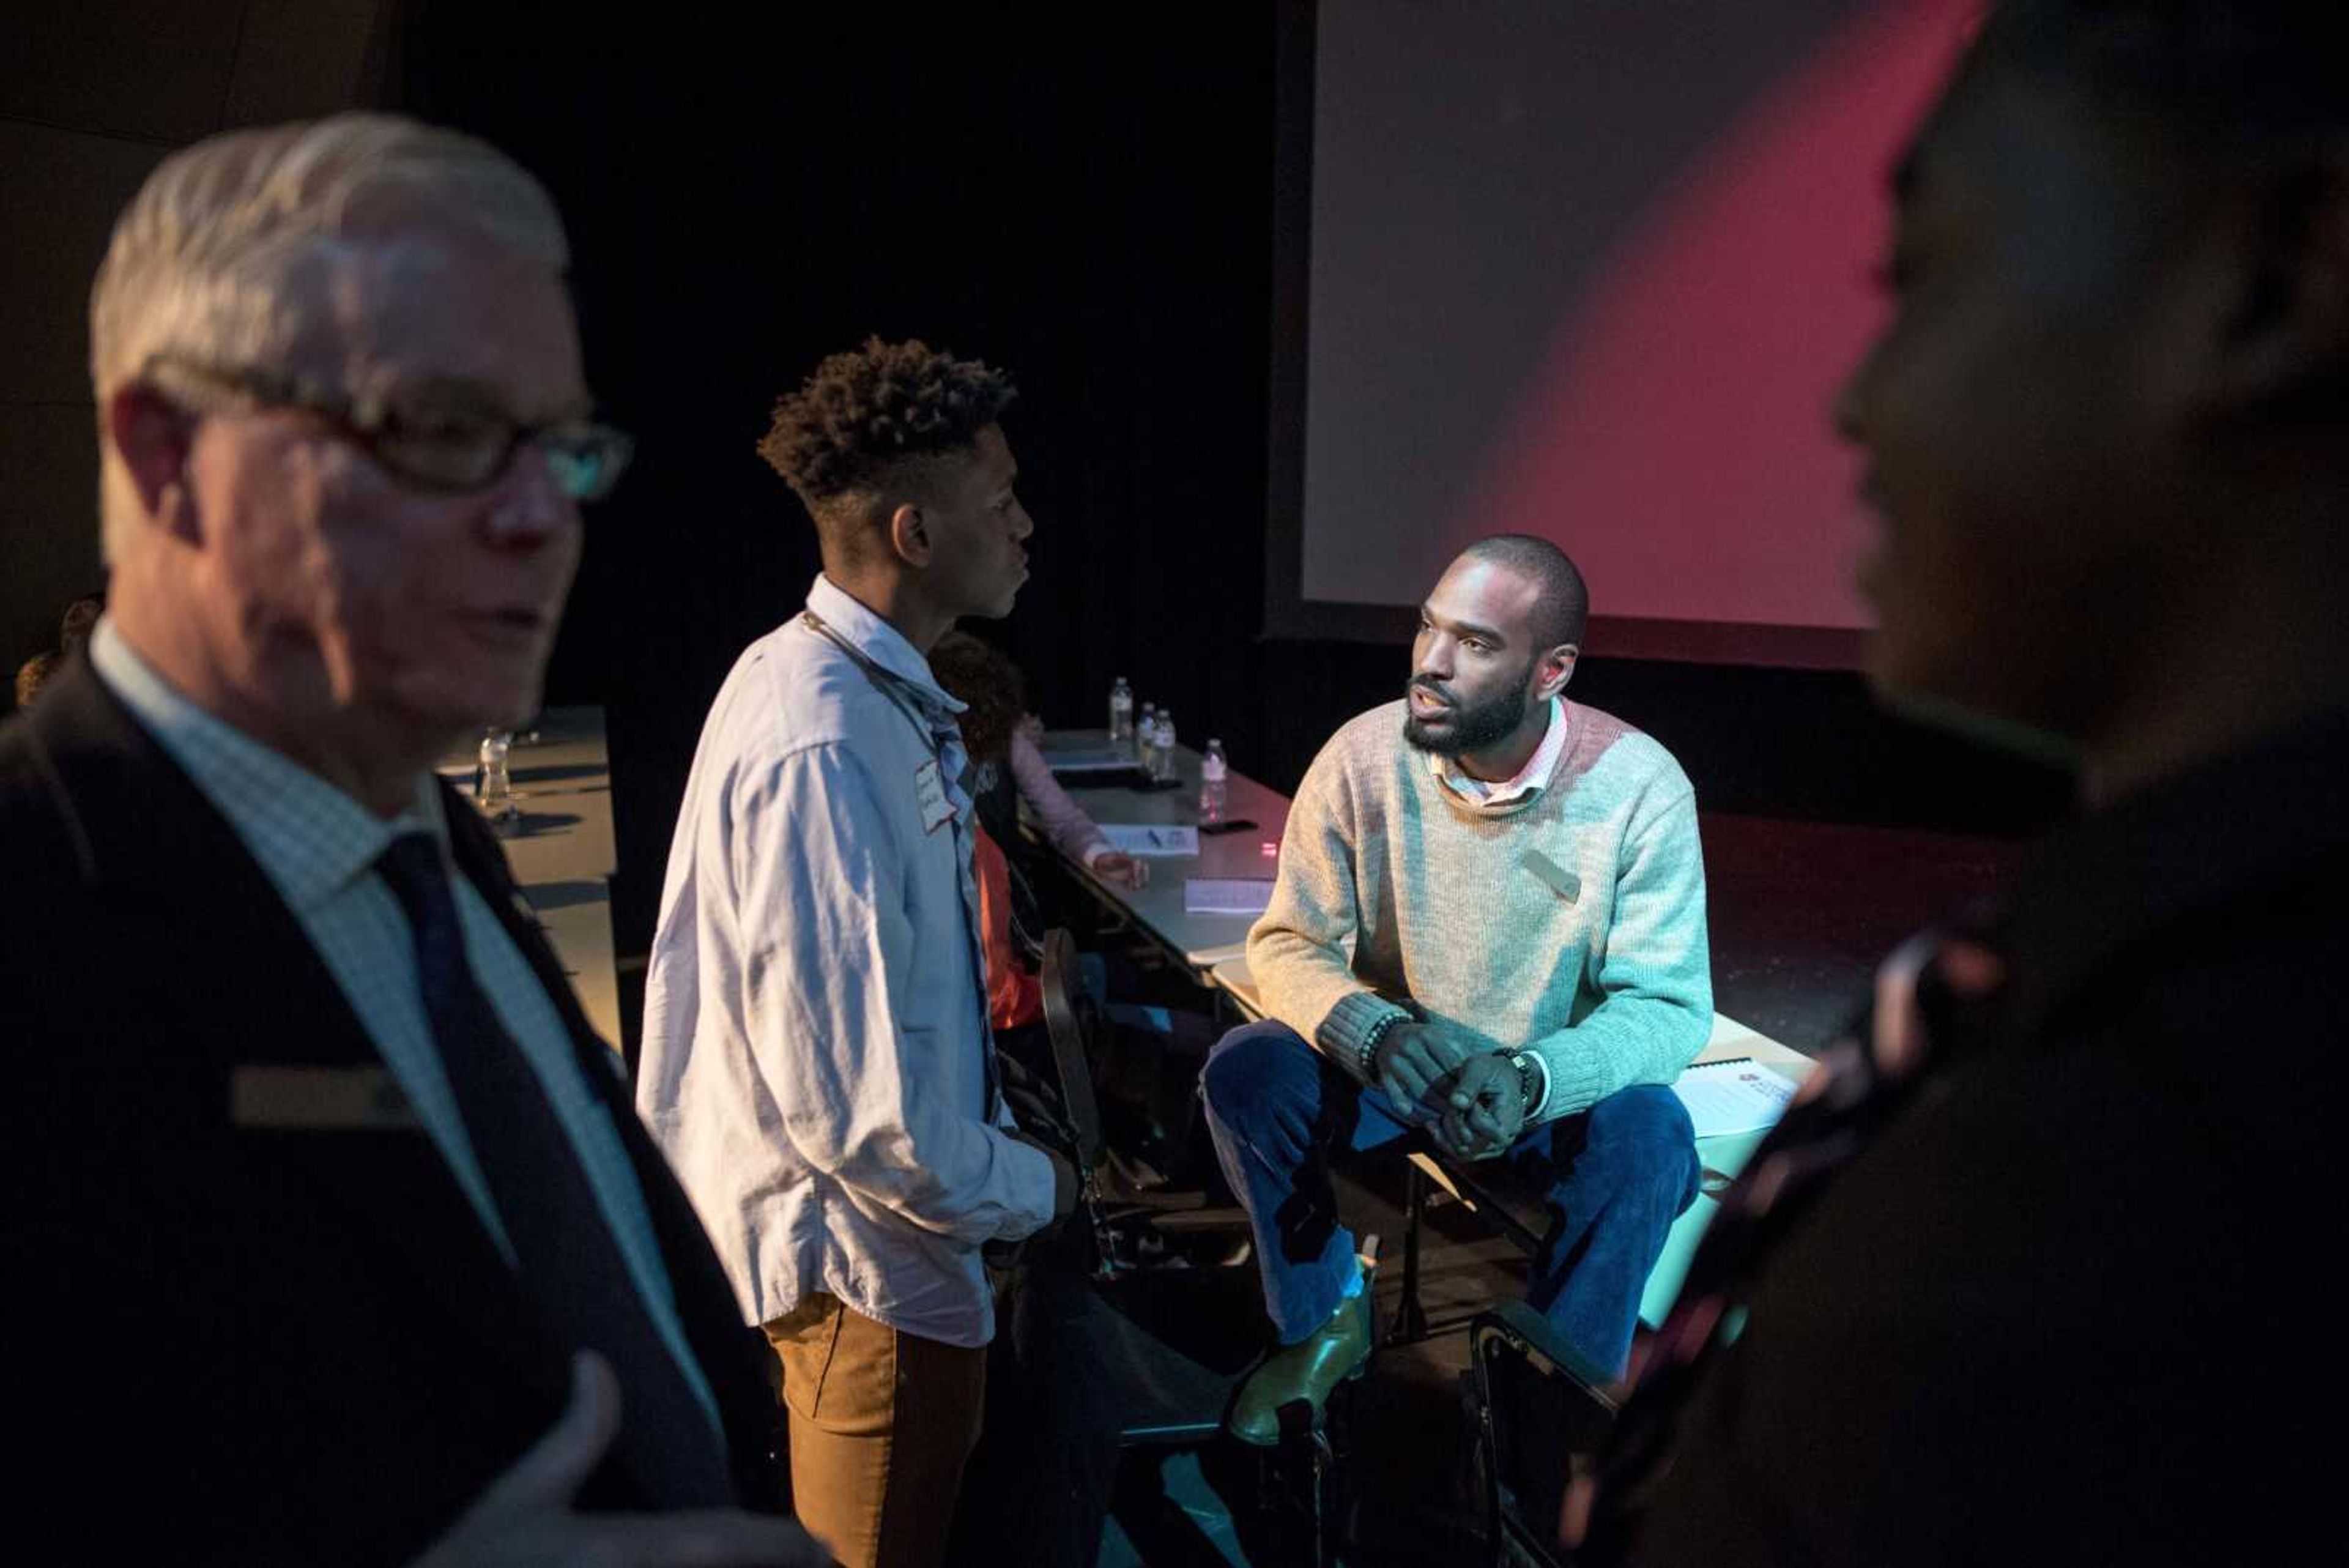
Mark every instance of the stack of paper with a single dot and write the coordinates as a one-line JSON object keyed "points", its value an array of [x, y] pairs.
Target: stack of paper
{"points": [[1734, 1096]]}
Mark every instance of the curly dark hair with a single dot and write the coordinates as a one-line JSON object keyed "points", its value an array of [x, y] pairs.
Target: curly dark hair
{"points": [[975, 672], [866, 409], [35, 673]]}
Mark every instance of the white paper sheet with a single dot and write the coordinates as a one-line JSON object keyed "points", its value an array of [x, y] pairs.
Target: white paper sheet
{"points": [[1226, 896], [1737, 1096], [1142, 838]]}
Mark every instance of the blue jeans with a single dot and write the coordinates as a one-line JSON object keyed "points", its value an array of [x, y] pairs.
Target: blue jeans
{"points": [[1617, 1176]]}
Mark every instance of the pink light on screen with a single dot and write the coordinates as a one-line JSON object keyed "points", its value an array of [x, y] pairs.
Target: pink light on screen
{"points": [[1676, 438]]}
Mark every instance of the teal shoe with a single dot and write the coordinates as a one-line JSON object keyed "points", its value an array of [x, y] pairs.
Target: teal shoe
{"points": [[1306, 1370]]}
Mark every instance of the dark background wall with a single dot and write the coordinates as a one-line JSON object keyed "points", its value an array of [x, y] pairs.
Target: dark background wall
{"points": [[93, 94], [1085, 197], [1082, 204], [1090, 205]]}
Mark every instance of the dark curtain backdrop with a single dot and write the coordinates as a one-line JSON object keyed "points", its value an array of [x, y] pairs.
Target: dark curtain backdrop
{"points": [[1081, 202], [1086, 198]]}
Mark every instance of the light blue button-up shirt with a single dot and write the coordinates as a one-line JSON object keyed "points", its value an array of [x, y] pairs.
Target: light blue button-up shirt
{"points": [[815, 1042], [1531, 780], [318, 848]]}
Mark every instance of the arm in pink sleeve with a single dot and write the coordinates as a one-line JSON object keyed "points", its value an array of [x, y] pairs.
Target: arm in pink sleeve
{"points": [[1065, 824]]}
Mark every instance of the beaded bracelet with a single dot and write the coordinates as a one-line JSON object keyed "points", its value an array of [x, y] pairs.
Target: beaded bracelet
{"points": [[1366, 1055]]}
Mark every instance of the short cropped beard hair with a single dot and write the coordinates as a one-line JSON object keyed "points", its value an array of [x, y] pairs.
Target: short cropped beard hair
{"points": [[1472, 728]]}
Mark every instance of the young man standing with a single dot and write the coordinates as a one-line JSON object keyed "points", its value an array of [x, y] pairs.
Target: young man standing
{"points": [[817, 1061]]}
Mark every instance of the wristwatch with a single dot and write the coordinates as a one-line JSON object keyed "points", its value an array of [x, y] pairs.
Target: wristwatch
{"points": [[1529, 1077]]}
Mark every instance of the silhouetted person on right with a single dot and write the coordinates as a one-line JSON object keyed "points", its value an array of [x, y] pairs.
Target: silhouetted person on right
{"points": [[2028, 1273]]}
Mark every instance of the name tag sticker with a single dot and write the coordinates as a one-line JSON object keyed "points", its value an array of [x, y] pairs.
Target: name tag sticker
{"points": [[1552, 876], [320, 1100], [930, 793]]}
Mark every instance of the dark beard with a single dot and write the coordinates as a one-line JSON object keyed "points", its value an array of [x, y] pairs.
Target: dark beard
{"points": [[1471, 727]]}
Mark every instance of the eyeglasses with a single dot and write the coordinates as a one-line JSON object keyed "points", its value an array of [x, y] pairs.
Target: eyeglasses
{"points": [[449, 450]]}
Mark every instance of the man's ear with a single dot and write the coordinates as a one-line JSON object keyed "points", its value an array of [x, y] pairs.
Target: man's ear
{"points": [[909, 535], [2288, 337], [153, 437], [1555, 668]]}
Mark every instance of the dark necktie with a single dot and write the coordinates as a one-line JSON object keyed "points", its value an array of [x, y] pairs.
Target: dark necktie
{"points": [[570, 1264]]}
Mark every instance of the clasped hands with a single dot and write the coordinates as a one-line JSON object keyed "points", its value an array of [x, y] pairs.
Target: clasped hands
{"points": [[1480, 1110]]}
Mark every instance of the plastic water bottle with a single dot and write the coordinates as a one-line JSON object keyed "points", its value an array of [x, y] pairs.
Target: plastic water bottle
{"points": [[493, 792], [1145, 739], [1161, 764], [1121, 714], [1213, 774]]}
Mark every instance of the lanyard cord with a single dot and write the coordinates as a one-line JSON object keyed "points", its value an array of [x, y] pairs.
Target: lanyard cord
{"points": [[888, 683]]}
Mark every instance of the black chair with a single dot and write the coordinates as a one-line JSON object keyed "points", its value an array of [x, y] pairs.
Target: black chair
{"points": [[1073, 1020], [1512, 1208], [1541, 1415], [1164, 1326], [1096, 1352], [1132, 1229], [1517, 1209]]}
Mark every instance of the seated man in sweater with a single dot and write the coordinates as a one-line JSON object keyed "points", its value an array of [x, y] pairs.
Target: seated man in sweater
{"points": [[1489, 925]]}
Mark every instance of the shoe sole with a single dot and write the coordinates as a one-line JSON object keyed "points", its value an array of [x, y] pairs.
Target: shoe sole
{"points": [[1356, 1375]]}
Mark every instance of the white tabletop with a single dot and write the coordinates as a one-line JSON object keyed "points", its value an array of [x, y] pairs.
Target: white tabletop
{"points": [[1730, 1040], [562, 856], [1200, 940]]}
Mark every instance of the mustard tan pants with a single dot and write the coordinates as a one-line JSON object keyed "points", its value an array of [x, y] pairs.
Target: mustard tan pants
{"points": [[881, 1425]]}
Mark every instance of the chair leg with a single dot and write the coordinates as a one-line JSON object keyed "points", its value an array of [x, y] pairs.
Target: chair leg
{"points": [[1325, 1478], [1302, 1483], [1411, 1318]]}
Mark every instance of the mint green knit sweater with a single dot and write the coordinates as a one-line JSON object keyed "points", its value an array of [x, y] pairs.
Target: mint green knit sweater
{"points": [[1571, 921]]}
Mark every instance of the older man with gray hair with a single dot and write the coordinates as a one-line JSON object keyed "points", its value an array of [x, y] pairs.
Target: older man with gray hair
{"points": [[322, 1126]]}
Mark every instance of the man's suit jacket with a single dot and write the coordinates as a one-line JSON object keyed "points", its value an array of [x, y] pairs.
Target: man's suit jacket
{"points": [[268, 1327]]}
